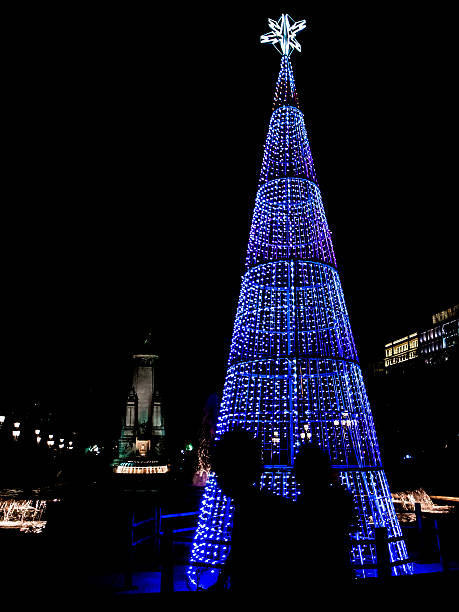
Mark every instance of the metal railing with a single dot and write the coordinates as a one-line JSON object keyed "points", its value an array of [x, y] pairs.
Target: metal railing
{"points": [[168, 536], [165, 535]]}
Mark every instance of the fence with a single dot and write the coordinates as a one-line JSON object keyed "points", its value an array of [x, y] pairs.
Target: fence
{"points": [[164, 535]]}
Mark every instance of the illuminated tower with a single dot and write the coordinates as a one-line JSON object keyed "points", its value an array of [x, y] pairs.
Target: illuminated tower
{"points": [[293, 372], [141, 444]]}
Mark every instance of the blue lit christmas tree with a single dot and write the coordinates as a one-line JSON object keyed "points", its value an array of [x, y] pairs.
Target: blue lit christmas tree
{"points": [[293, 373]]}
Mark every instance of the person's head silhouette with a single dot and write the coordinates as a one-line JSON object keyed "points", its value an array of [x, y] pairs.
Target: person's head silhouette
{"points": [[312, 468], [236, 461]]}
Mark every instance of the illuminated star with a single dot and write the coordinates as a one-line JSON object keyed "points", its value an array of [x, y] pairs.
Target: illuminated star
{"points": [[283, 34]]}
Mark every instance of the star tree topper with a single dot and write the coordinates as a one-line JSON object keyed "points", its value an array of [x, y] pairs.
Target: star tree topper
{"points": [[283, 34]]}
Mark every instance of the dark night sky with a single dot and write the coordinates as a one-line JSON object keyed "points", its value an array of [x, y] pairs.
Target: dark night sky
{"points": [[134, 141]]}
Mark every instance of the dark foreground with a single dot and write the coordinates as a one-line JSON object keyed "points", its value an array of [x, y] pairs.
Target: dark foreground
{"points": [[87, 554]]}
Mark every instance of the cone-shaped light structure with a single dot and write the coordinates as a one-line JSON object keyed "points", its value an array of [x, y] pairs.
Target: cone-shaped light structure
{"points": [[293, 373]]}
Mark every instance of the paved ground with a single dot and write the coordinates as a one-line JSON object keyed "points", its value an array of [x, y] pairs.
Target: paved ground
{"points": [[150, 582]]}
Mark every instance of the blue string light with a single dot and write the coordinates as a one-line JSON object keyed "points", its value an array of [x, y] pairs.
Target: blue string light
{"points": [[293, 373]]}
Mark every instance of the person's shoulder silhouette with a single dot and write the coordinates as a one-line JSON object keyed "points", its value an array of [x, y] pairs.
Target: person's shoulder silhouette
{"points": [[256, 558], [324, 516]]}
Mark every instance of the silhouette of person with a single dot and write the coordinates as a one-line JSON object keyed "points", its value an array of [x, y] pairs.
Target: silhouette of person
{"points": [[324, 518], [82, 526], [257, 559]]}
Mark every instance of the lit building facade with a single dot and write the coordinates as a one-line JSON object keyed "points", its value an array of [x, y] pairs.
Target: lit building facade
{"points": [[430, 345], [442, 336], [446, 315], [401, 350]]}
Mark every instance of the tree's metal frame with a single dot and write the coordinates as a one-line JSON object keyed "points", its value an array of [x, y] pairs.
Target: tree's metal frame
{"points": [[293, 372]]}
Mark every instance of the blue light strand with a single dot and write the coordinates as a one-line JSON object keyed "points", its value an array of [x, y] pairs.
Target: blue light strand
{"points": [[293, 373], [285, 93], [287, 152]]}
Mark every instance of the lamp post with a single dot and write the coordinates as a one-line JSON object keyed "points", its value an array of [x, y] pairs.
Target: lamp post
{"points": [[16, 431]]}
